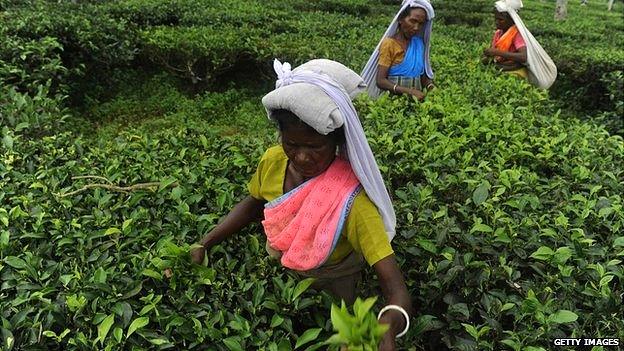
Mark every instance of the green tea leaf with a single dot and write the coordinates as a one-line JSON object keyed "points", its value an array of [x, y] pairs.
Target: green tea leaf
{"points": [[340, 321], [152, 274], [15, 262], [158, 341], [606, 280], [471, 330], [8, 340], [166, 182], [543, 253], [233, 344], [507, 306], [276, 320], [422, 324], [362, 308], [301, 287], [480, 227], [111, 231], [308, 336], [126, 224], [104, 327], [563, 316], [136, 325], [428, 245], [481, 193], [4, 239], [118, 334]]}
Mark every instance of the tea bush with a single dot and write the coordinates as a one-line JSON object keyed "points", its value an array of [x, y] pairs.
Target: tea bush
{"points": [[587, 72], [28, 64], [87, 270], [502, 230], [87, 35], [65, 42], [508, 199]]}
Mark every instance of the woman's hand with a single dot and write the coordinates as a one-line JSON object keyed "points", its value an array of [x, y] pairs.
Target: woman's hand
{"points": [[490, 52], [416, 93], [198, 254], [245, 212], [389, 339]]}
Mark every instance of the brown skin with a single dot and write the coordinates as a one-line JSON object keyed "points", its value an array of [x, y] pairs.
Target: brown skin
{"points": [[503, 22], [395, 293], [408, 27], [310, 154]]}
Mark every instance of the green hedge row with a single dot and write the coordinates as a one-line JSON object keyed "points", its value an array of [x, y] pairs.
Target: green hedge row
{"points": [[589, 74], [95, 37]]}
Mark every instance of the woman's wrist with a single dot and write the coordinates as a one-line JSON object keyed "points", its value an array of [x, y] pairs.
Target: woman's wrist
{"points": [[396, 317], [206, 241], [394, 320]]}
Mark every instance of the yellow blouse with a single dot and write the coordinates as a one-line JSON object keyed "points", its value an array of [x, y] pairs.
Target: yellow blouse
{"points": [[390, 53], [364, 227]]}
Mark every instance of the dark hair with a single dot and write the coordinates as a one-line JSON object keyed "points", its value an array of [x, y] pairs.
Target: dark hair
{"points": [[407, 12], [504, 13], [286, 119]]}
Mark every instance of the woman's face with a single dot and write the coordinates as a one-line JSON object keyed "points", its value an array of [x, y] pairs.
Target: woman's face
{"points": [[503, 20], [309, 152], [413, 23]]}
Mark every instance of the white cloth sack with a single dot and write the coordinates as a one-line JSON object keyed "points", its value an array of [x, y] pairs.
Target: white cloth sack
{"points": [[542, 69], [309, 102], [369, 74]]}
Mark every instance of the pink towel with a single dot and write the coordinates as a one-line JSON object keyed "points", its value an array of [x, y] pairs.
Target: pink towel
{"points": [[305, 223]]}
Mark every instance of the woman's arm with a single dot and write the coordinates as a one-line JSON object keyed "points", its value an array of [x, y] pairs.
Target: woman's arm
{"points": [[247, 211], [385, 84], [395, 293], [519, 57]]}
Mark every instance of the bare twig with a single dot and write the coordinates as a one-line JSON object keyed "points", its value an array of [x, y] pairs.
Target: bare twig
{"points": [[112, 187]]}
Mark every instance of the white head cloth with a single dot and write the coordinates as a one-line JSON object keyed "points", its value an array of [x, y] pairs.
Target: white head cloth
{"points": [[359, 153], [369, 74], [542, 69]]}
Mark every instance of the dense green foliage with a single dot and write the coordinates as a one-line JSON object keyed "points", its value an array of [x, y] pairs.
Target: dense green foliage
{"points": [[509, 200], [358, 331]]}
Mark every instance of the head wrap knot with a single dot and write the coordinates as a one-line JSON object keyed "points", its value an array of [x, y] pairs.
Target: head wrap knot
{"points": [[284, 74]]}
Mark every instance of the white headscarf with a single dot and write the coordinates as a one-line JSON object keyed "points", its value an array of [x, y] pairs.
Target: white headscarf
{"points": [[542, 69], [508, 5], [359, 152], [369, 74]]}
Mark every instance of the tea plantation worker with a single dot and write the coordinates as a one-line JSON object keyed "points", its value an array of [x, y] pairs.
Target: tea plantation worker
{"points": [[320, 193], [514, 49], [400, 63], [508, 50]]}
